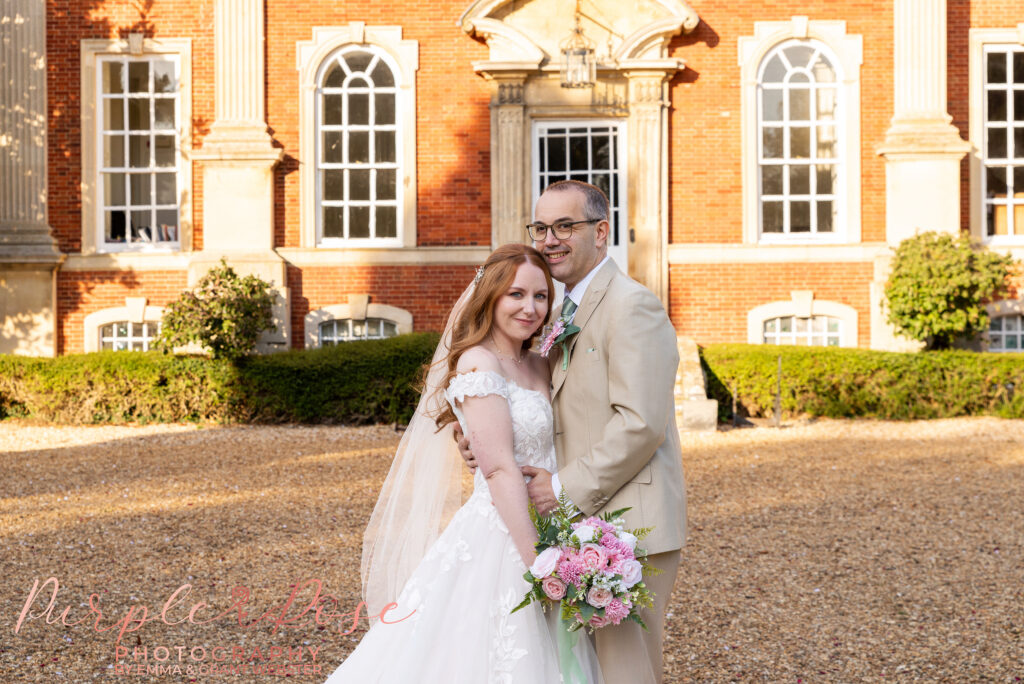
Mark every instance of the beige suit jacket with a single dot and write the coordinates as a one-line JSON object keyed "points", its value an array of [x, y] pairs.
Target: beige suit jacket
{"points": [[615, 431]]}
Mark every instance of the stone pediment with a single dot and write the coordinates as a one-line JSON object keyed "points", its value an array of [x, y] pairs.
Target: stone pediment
{"points": [[525, 34]]}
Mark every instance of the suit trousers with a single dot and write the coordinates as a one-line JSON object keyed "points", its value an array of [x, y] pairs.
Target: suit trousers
{"points": [[627, 653]]}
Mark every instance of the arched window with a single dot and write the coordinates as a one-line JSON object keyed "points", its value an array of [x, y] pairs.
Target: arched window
{"points": [[128, 336], [814, 331], [358, 143], [799, 155], [346, 330]]}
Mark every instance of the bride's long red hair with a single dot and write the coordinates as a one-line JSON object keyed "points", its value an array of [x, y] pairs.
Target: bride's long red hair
{"points": [[477, 319]]}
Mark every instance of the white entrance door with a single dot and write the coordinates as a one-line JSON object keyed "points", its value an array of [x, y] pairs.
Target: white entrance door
{"points": [[590, 150]]}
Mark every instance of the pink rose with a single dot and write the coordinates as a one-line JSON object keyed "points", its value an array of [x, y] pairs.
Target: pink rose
{"points": [[594, 557], [553, 587], [599, 621], [599, 597], [632, 572], [546, 562]]}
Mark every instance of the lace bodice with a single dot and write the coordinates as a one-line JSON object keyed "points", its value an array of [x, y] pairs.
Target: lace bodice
{"points": [[532, 441]]}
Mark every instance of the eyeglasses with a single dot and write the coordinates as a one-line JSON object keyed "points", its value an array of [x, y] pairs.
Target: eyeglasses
{"points": [[562, 229]]}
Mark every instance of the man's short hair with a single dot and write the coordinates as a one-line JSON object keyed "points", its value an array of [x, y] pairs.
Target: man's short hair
{"points": [[595, 202]]}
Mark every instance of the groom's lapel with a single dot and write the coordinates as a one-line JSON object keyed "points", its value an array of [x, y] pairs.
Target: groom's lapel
{"points": [[595, 293]]}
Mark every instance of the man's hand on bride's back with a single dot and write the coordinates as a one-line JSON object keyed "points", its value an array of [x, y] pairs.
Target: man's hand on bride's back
{"points": [[467, 453]]}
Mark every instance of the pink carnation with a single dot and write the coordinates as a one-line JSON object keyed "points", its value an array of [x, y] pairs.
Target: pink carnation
{"points": [[616, 611], [571, 570]]}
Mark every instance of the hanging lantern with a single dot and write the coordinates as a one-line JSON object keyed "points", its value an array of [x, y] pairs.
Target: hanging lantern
{"points": [[579, 66]]}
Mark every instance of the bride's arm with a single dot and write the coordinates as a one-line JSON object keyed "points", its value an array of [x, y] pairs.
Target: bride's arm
{"points": [[489, 425]]}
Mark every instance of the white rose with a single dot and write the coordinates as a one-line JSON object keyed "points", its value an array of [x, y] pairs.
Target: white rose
{"points": [[546, 562], [632, 572], [629, 539], [584, 533]]}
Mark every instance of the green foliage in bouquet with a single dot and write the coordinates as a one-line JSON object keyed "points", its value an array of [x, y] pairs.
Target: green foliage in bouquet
{"points": [[225, 313]]}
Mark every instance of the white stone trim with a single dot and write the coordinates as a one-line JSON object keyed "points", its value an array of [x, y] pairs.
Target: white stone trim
{"points": [[848, 51], [421, 256], [865, 252], [89, 109], [400, 317], [135, 310], [403, 57], [979, 38], [803, 305]]}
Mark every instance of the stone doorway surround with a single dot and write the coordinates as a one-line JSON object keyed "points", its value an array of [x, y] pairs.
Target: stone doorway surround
{"points": [[633, 71]]}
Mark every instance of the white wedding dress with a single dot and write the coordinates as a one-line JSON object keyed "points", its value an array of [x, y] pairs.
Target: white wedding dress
{"points": [[464, 589]]}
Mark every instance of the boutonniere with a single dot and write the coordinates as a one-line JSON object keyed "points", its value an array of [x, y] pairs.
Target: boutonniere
{"points": [[559, 334]]}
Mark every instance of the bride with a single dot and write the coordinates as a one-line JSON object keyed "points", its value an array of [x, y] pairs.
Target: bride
{"points": [[459, 585]]}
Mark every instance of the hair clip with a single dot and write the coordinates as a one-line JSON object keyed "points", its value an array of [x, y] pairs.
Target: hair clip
{"points": [[479, 276]]}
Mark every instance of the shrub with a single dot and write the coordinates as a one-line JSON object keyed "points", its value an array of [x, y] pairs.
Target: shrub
{"points": [[846, 383], [225, 313], [357, 382], [938, 285]]}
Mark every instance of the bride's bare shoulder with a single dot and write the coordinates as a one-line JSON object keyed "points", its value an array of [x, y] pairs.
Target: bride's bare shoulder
{"points": [[478, 358]]}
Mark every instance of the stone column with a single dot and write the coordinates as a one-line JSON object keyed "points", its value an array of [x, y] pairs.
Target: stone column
{"points": [[239, 160], [28, 253], [647, 174], [510, 162], [922, 148]]}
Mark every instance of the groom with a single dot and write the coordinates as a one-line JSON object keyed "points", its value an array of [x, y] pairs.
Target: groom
{"points": [[614, 412]]}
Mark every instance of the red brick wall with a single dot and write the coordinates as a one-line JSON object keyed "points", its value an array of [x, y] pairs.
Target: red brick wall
{"points": [[709, 302], [705, 188], [82, 292]]}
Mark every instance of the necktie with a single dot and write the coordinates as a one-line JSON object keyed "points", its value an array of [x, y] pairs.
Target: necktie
{"points": [[568, 307]]}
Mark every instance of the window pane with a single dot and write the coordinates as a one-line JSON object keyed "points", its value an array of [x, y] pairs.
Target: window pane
{"points": [[386, 184], [995, 182], [995, 324], [800, 55], [164, 80], [167, 225], [358, 147], [113, 189], [1018, 143], [772, 104], [578, 157], [384, 108], [113, 73], [115, 226], [997, 143], [138, 77], [113, 151], [113, 114], [771, 179], [799, 180], [384, 146], [775, 71], [334, 222], [833, 325], [826, 103], [1011, 343], [390, 329], [333, 184], [138, 151], [997, 105], [603, 182], [800, 217], [139, 186], [332, 109], [138, 114], [825, 217], [141, 221], [359, 109], [997, 67], [382, 76], [1018, 105], [335, 77], [164, 151], [1018, 67], [772, 212], [786, 324], [387, 222], [600, 152], [1011, 323], [826, 179], [823, 71], [373, 327], [358, 61], [556, 154], [770, 325], [799, 104], [1018, 183], [359, 222], [772, 143], [163, 114], [332, 147], [800, 142], [359, 184], [166, 188]]}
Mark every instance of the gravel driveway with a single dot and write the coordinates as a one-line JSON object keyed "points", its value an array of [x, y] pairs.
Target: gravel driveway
{"points": [[820, 552]]}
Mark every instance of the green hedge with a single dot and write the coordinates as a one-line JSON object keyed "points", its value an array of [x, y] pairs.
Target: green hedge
{"points": [[358, 382], [861, 383]]}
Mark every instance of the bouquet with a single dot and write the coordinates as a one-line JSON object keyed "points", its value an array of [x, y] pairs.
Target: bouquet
{"points": [[591, 568]]}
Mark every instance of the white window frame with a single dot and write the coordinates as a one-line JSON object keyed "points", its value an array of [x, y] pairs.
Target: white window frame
{"points": [[400, 317], [981, 42], [92, 53], [803, 305], [846, 56], [403, 58], [809, 334], [1004, 307], [135, 310]]}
